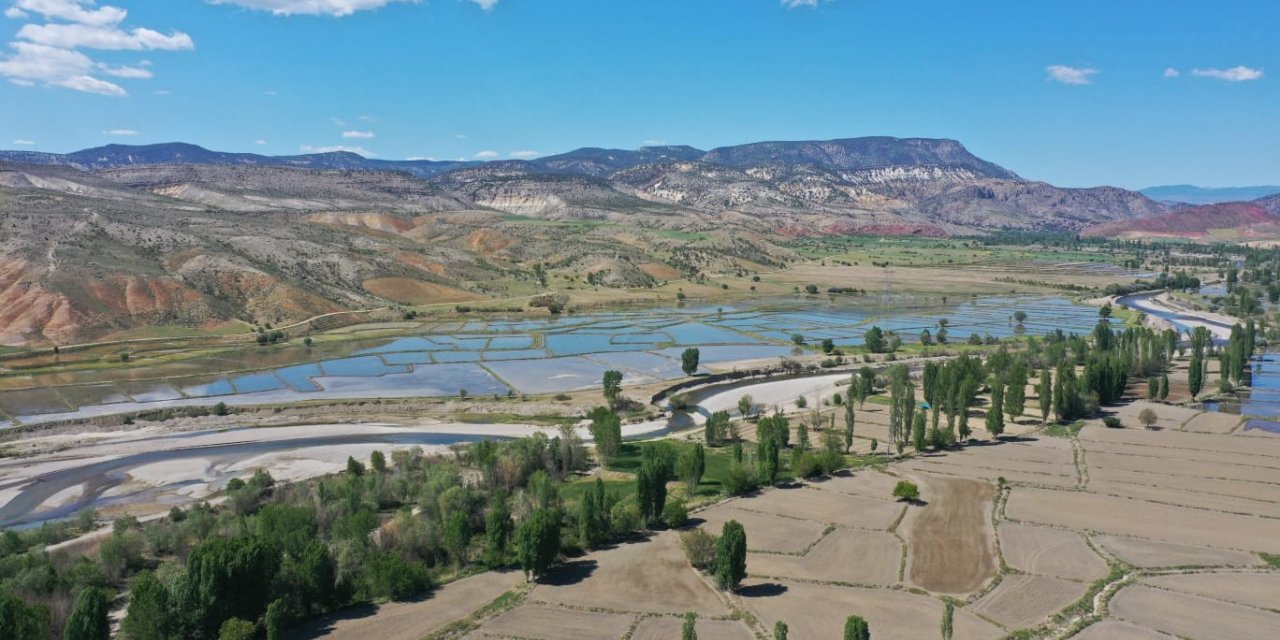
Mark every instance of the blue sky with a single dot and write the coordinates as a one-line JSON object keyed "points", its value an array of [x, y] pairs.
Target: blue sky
{"points": [[1076, 92]]}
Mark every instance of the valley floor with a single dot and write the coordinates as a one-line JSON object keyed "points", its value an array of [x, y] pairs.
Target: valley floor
{"points": [[1108, 533]]}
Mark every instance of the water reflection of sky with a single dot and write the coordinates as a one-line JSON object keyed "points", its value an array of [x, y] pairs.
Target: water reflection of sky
{"points": [[529, 355], [1262, 400]]}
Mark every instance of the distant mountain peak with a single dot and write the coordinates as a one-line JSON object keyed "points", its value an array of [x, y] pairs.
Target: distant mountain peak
{"points": [[1191, 194]]}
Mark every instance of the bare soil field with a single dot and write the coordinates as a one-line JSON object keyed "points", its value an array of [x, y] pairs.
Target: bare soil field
{"points": [[1183, 468], [1049, 552], [1170, 417], [1189, 616], [1236, 443], [649, 576], [1084, 511], [669, 628], [1261, 590], [850, 556], [1022, 601], [1151, 554], [869, 483], [989, 473], [1117, 630], [765, 532], [1154, 451], [1183, 497], [538, 622], [415, 620], [818, 612], [1260, 491], [1209, 422], [824, 506], [951, 542]]}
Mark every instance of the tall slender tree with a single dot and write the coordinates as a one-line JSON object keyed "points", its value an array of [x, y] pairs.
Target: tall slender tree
{"points": [[995, 413], [1044, 389]]}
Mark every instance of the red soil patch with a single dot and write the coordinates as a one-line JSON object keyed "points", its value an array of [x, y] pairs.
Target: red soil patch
{"points": [[660, 271], [409, 291], [487, 241], [1246, 219], [420, 263]]}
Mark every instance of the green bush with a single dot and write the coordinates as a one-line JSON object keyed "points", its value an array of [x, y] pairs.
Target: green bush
{"points": [[739, 479], [675, 514], [906, 491]]}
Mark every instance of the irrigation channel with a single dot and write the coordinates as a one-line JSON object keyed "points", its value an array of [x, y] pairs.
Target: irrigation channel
{"points": [[1260, 402]]}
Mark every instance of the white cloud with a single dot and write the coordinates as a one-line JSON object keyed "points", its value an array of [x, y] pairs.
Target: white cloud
{"points": [[485, 4], [1070, 75], [461, 136], [163, 92], [259, 142], [79, 11], [1171, 73], [416, 158], [358, 135], [125, 71], [793, 4], [653, 143], [120, 133], [525, 155], [1234, 74], [49, 54], [306, 148], [487, 155], [337, 8], [25, 143], [35, 63], [84, 36]]}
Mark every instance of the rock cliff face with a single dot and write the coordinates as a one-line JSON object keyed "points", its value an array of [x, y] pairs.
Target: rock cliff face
{"points": [[120, 237]]}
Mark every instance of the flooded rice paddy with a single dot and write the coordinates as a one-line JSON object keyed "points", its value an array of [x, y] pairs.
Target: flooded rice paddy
{"points": [[500, 356]]}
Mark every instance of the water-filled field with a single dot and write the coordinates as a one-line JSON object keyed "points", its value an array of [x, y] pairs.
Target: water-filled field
{"points": [[1261, 400], [520, 355]]}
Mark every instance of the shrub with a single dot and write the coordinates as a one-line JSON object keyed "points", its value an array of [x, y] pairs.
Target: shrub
{"points": [[699, 548], [1112, 422], [624, 519], [675, 514], [906, 491], [739, 479]]}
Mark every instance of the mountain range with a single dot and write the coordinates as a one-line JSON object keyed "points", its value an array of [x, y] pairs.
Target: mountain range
{"points": [[1188, 194], [110, 239]]}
